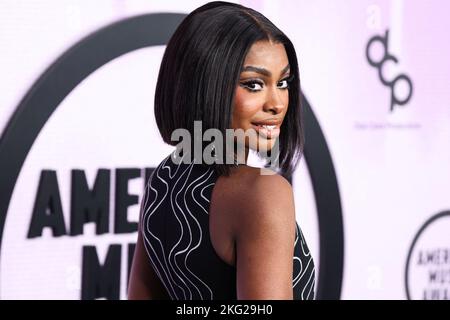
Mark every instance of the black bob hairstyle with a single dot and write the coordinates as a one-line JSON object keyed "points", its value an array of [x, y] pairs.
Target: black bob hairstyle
{"points": [[200, 71]]}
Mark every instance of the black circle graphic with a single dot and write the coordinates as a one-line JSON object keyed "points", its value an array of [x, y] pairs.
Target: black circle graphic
{"points": [[128, 35], [416, 238]]}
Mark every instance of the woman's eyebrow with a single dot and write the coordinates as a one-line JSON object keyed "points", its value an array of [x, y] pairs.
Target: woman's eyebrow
{"points": [[263, 71]]}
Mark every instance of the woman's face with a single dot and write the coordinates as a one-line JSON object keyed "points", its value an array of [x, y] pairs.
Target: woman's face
{"points": [[262, 97]]}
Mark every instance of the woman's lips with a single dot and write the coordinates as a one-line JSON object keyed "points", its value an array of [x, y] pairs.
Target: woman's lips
{"points": [[267, 132]]}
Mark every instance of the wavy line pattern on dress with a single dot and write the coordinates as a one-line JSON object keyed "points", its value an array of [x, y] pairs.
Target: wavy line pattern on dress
{"points": [[181, 192]]}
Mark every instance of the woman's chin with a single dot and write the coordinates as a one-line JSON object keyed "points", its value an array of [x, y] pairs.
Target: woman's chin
{"points": [[264, 145]]}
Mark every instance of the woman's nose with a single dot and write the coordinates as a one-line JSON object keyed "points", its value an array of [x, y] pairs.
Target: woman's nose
{"points": [[274, 102]]}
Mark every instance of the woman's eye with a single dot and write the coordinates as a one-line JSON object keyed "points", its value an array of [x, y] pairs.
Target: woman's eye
{"points": [[283, 84], [252, 85]]}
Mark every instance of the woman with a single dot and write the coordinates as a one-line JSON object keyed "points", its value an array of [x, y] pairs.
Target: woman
{"points": [[221, 230]]}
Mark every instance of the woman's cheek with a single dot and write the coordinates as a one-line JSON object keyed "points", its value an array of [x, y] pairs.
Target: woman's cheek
{"points": [[247, 104]]}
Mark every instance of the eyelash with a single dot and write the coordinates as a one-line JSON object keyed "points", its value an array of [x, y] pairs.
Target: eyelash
{"points": [[251, 82]]}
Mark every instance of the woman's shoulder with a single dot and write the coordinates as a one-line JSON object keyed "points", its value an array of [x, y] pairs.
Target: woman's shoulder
{"points": [[264, 235], [259, 183], [255, 194], [247, 205]]}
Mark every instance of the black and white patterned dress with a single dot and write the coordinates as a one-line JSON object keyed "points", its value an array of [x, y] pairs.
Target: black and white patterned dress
{"points": [[175, 229]]}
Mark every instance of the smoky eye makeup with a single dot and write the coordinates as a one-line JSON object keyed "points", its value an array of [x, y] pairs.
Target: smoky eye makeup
{"points": [[255, 85], [288, 80]]}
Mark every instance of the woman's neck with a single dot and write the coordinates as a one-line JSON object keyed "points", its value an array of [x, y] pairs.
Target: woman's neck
{"points": [[243, 159]]}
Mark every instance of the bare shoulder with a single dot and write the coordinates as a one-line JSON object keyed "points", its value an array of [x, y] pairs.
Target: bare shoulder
{"points": [[258, 194], [264, 232]]}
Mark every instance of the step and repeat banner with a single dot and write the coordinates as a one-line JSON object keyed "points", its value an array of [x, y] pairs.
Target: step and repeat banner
{"points": [[78, 140]]}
